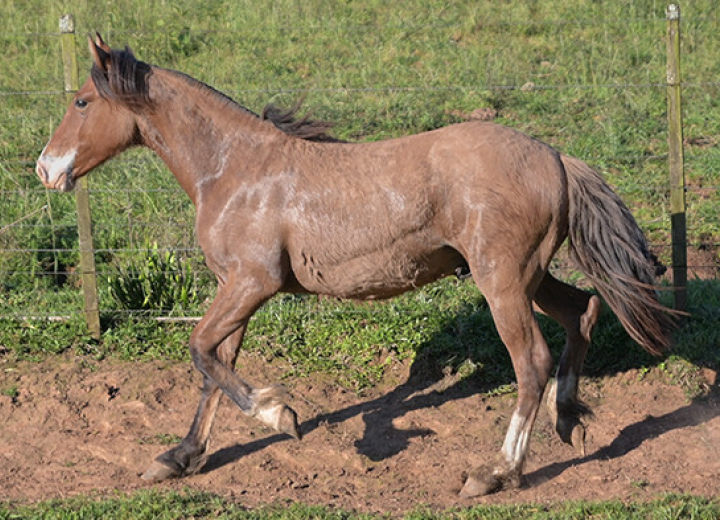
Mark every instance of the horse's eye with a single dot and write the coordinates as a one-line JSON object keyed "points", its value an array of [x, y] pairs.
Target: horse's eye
{"points": [[80, 103]]}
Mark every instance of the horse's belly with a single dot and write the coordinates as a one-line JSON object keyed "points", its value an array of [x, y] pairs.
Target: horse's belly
{"points": [[377, 275]]}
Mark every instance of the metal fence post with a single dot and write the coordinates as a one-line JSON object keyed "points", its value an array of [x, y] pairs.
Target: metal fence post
{"points": [[82, 200], [675, 158]]}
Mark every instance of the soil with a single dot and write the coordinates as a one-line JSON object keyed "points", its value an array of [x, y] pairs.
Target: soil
{"points": [[76, 426]]}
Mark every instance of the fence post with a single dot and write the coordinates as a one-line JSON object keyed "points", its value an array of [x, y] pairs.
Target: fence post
{"points": [[82, 199], [675, 158]]}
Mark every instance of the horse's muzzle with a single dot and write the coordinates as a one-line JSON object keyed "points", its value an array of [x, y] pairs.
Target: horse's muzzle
{"points": [[56, 174]]}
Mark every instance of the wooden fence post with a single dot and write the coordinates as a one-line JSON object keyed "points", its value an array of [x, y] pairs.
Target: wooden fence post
{"points": [[82, 199], [675, 158]]}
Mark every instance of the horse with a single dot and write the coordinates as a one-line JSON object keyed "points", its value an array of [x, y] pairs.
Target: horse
{"points": [[281, 206]]}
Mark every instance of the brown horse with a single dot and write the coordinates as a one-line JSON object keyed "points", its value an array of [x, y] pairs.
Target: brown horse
{"points": [[283, 207]]}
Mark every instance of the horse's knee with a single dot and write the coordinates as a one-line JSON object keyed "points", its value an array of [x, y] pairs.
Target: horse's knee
{"points": [[202, 355], [199, 359]]}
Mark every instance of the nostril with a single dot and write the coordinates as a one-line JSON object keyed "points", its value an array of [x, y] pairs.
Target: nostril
{"points": [[42, 171]]}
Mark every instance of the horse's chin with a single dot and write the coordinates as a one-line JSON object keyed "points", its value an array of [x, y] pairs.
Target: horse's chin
{"points": [[66, 183]]}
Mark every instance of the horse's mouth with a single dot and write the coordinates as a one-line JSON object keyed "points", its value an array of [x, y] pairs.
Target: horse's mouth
{"points": [[65, 183]]}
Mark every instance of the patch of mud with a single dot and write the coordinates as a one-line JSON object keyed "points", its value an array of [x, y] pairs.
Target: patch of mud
{"points": [[76, 427]]}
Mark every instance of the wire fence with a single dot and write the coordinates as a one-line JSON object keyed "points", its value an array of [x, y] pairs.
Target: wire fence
{"points": [[142, 218]]}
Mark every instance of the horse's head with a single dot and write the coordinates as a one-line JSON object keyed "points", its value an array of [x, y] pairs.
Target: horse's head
{"points": [[96, 126]]}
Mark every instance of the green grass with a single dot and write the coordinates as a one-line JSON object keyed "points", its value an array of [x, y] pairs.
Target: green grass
{"points": [[445, 328], [191, 504]]}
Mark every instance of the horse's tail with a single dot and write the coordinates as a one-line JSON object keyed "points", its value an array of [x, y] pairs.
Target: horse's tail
{"points": [[609, 247]]}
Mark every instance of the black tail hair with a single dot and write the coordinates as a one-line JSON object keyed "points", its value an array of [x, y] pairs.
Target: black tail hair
{"points": [[609, 247]]}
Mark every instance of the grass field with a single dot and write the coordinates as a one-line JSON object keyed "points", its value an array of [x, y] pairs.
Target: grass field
{"points": [[169, 506], [378, 70]]}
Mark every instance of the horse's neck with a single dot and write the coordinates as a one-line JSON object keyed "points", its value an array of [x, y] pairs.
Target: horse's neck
{"points": [[194, 130]]}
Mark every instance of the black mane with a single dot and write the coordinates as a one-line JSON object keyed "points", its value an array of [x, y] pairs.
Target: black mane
{"points": [[303, 127], [127, 83]]}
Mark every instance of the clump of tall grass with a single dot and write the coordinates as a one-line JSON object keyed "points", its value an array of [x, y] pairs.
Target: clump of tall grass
{"points": [[157, 280]]}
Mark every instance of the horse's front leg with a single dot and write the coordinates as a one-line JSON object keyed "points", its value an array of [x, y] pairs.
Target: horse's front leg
{"points": [[532, 363], [190, 456], [214, 345]]}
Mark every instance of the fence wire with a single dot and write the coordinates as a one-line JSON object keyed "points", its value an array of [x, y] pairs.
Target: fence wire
{"points": [[180, 245]]}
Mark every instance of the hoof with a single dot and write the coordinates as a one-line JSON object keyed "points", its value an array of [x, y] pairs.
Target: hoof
{"points": [[288, 423], [567, 424], [572, 432], [157, 472], [269, 409], [484, 481], [578, 439], [474, 487]]}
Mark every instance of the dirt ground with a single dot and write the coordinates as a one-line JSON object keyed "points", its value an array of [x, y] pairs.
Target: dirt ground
{"points": [[77, 427]]}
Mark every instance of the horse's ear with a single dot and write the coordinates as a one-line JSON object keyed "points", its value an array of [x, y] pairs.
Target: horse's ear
{"points": [[100, 43], [100, 53]]}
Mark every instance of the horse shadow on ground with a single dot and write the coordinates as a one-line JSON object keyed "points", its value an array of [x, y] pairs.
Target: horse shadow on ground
{"points": [[699, 411], [422, 389], [377, 414], [425, 388]]}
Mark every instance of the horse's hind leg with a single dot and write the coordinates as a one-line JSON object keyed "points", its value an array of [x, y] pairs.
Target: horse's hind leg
{"points": [[519, 330], [577, 312]]}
